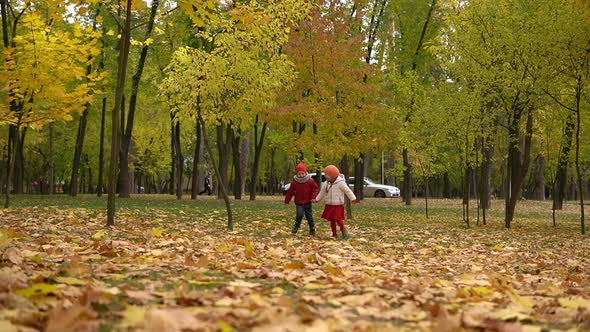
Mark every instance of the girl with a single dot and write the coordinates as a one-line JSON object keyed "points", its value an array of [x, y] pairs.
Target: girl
{"points": [[333, 190]]}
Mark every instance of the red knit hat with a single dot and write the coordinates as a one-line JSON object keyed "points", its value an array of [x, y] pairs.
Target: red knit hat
{"points": [[301, 168], [331, 171]]}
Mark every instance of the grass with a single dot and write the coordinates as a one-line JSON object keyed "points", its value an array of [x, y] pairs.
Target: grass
{"points": [[374, 211]]}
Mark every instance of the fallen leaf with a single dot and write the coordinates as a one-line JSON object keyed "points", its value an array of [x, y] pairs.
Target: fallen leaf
{"points": [[171, 320], [295, 265], [156, 232], [140, 295], [133, 316], [6, 326], [12, 278], [574, 302], [99, 235], [71, 281], [37, 290], [13, 255], [74, 319], [443, 321]]}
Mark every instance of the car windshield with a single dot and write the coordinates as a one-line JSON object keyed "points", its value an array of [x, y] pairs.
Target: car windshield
{"points": [[369, 181]]}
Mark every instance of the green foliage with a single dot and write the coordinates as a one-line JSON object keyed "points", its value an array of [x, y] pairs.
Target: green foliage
{"points": [[44, 74], [242, 73]]}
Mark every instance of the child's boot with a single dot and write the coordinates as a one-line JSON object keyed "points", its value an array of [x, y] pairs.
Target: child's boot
{"points": [[295, 227], [344, 234], [312, 231]]}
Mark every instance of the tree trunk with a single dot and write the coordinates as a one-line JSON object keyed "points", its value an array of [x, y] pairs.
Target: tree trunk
{"points": [[486, 174], [407, 184], [345, 166], [446, 185], [237, 153], [196, 160], [579, 89], [258, 144], [244, 161], [121, 75], [172, 156], [273, 183], [561, 174], [8, 165], [179, 161], [230, 221], [90, 189], [19, 160], [78, 148], [51, 160], [517, 162], [538, 191], [359, 178], [390, 178], [128, 129], [224, 149], [426, 194], [100, 184]]}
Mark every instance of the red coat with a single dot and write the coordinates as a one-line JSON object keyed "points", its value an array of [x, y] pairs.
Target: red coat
{"points": [[304, 192]]}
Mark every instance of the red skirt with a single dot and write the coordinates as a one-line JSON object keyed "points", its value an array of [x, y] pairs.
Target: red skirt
{"points": [[333, 212]]}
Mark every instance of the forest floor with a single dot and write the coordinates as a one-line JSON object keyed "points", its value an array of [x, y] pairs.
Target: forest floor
{"points": [[171, 265]]}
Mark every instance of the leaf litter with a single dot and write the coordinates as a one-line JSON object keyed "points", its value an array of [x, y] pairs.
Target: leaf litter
{"points": [[61, 270]]}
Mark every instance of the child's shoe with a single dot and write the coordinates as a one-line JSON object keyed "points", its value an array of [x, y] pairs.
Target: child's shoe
{"points": [[344, 234], [312, 231]]}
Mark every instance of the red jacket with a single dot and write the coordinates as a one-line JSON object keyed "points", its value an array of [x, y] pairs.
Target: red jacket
{"points": [[304, 192]]}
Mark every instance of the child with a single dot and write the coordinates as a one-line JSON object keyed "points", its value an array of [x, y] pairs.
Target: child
{"points": [[305, 189], [333, 190]]}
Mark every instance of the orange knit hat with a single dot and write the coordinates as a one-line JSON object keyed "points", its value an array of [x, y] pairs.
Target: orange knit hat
{"points": [[331, 171]]}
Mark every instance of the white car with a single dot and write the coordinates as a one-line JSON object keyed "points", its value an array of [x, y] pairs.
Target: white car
{"points": [[371, 189]]}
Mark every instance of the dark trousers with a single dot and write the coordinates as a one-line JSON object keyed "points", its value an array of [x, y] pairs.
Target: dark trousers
{"points": [[304, 209]]}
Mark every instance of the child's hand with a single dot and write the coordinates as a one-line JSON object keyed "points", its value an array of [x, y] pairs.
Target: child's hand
{"points": [[353, 202], [314, 200]]}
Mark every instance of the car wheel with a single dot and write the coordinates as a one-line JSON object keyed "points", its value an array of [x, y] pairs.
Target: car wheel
{"points": [[380, 193]]}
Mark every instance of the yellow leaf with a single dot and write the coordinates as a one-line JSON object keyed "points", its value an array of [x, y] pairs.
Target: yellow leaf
{"points": [[522, 301], [481, 291], [149, 41], [37, 289], [71, 281], [224, 327], [474, 291], [156, 232], [37, 259], [295, 265], [99, 235], [133, 316], [498, 247], [574, 302], [222, 249], [110, 33], [334, 270]]}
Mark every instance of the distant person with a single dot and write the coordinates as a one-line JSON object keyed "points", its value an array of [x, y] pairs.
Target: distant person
{"points": [[333, 191], [206, 185], [304, 188]]}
